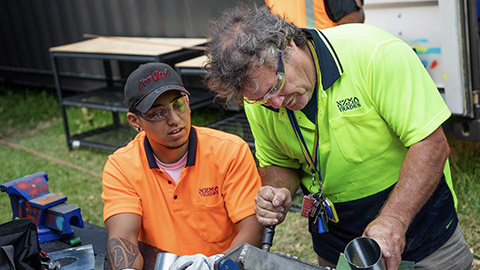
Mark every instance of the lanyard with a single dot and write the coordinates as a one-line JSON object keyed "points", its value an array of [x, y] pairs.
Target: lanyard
{"points": [[312, 160]]}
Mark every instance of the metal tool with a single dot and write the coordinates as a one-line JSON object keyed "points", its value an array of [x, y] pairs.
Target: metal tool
{"points": [[77, 258], [30, 198], [268, 237], [246, 257]]}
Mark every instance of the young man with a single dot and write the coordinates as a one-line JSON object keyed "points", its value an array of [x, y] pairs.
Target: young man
{"points": [[184, 189], [351, 114]]}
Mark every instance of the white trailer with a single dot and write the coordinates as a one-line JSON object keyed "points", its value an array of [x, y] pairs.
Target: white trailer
{"points": [[445, 35]]}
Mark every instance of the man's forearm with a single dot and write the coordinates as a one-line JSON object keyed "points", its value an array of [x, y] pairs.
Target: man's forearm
{"points": [[280, 177], [124, 254], [249, 231], [419, 177]]}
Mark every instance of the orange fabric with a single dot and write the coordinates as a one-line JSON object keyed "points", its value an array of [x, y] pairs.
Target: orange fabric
{"points": [[322, 20], [198, 214], [294, 11]]}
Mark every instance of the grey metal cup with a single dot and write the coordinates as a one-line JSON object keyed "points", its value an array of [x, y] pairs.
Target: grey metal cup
{"points": [[364, 253], [164, 260]]}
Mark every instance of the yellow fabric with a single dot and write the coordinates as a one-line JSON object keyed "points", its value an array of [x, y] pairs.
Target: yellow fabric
{"points": [[367, 119]]}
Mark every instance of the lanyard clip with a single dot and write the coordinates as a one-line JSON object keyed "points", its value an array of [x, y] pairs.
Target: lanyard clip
{"points": [[315, 187]]}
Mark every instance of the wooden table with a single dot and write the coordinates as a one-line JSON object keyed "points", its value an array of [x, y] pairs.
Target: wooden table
{"points": [[149, 48]]}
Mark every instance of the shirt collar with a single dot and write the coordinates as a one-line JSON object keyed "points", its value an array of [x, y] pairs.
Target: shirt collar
{"points": [[330, 66], [192, 150]]}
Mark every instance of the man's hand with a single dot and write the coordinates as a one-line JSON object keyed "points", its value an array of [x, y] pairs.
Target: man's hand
{"points": [[195, 262], [390, 235], [421, 172], [272, 205]]}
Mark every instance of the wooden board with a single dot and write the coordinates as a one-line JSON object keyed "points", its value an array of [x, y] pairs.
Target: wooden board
{"points": [[196, 62], [130, 45]]}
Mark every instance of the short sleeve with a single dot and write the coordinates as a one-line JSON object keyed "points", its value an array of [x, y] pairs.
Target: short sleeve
{"points": [[118, 193], [407, 98], [241, 184]]}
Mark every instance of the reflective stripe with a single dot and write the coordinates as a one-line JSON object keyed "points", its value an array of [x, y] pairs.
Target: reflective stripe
{"points": [[331, 50], [309, 14]]}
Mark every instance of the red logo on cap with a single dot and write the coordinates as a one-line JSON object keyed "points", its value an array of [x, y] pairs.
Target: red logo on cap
{"points": [[156, 75]]}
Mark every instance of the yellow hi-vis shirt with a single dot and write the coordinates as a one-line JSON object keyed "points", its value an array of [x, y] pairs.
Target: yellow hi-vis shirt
{"points": [[369, 114]]}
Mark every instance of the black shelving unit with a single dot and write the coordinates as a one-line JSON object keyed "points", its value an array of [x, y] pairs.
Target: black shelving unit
{"points": [[110, 96], [234, 122]]}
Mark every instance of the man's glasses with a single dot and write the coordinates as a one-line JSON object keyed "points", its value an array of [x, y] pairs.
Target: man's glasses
{"points": [[278, 86], [160, 112]]}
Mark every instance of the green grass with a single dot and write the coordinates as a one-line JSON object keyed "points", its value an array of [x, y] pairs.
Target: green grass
{"points": [[465, 162], [31, 119]]}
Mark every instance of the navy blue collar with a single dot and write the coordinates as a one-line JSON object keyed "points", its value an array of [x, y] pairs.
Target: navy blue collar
{"points": [[192, 150], [330, 66]]}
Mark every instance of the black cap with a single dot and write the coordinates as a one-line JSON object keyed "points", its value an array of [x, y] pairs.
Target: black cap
{"points": [[147, 83]]}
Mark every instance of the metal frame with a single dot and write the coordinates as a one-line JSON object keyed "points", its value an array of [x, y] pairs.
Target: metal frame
{"points": [[113, 104], [232, 123], [236, 124]]}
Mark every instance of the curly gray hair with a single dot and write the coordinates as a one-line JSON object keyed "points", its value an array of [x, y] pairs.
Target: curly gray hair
{"points": [[242, 40]]}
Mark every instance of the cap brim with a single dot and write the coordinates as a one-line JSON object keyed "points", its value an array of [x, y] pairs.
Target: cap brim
{"points": [[148, 101]]}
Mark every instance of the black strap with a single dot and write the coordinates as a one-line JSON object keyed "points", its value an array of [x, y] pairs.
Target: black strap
{"points": [[304, 189], [337, 9], [7, 252]]}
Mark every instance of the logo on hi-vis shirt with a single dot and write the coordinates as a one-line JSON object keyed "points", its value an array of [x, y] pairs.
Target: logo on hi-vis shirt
{"points": [[348, 104], [208, 192]]}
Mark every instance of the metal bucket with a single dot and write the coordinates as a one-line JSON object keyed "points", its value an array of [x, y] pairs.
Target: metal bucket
{"points": [[364, 253]]}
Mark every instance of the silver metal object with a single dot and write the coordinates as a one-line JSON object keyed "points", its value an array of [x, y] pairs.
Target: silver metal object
{"points": [[82, 258], [364, 253], [253, 258], [164, 260]]}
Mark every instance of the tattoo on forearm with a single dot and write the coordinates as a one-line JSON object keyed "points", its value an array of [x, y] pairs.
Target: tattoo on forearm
{"points": [[122, 253]]}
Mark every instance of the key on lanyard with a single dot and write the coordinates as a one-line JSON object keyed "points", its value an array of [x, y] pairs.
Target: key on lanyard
{"points": [[316, 208], [320, 220], [331, 213], [317, 217], [323, 226]]}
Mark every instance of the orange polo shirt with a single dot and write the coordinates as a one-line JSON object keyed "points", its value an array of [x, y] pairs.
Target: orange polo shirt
{"points": [[216, 189]]}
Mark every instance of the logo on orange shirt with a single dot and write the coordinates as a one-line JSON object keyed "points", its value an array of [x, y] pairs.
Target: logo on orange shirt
{"points": [[208, 191]]}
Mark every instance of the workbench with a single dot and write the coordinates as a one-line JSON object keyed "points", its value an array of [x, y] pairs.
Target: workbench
{"points": [[97, 237], [110, 96]]}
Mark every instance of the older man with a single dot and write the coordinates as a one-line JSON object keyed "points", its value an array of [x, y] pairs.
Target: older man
{"points": [[350, 114]]}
